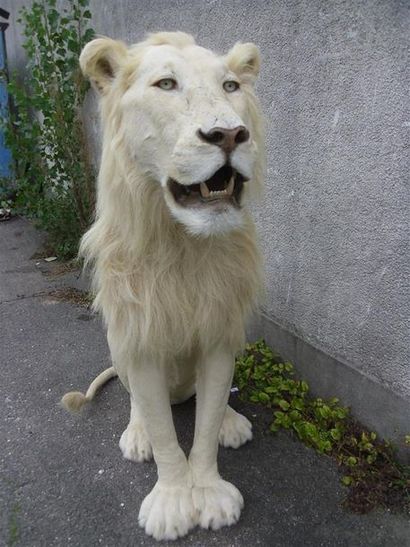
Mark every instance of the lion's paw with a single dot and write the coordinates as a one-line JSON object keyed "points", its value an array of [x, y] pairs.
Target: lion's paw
{"points": [[218, 505], [135, 445], [236, 430], [168, 512]]}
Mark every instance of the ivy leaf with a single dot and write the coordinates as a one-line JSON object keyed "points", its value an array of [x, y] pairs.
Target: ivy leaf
{"points": [[263, 397], [73, 46], [304, 386], [297, 403], [335, 434], [284, 405], [52, 16], [88, 35], [347, 480]]}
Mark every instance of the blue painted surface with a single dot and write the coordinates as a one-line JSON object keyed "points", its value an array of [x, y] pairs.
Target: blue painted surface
{"points": [[5, 154]]}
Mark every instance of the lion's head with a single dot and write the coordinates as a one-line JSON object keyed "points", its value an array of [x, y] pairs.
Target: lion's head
{"points": [[189, 121]]}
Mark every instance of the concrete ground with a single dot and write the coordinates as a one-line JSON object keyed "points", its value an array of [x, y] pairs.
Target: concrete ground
{"points": [[63, 481]]}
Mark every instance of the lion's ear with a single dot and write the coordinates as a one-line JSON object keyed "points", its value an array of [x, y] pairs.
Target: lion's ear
{"points": [[245, 61], [101, 60]]}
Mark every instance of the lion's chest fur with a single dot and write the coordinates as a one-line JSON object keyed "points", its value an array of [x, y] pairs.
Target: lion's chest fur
{"points": [[184, 293]]}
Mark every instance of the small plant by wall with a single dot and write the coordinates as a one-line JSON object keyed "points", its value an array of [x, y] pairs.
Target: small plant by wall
{"points": [[370, 469], [54, 182]]}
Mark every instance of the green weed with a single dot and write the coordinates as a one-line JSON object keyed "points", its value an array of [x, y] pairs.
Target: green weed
{"points": [[53, 177], [371, 471]]}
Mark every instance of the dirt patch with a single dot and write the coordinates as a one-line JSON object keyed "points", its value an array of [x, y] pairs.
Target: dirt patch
{"points": [[71, 295], [57, 269], [378, 478], [43, 252]]}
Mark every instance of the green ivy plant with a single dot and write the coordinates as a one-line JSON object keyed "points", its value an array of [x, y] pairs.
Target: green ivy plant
{"points": [[54, 179], [371, 471]]}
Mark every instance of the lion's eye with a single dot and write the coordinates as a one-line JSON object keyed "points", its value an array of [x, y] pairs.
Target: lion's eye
{"points": [[230, 86], [167, 84]]}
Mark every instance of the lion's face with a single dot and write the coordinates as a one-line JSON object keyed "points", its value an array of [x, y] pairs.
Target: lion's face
{"points": [[187, 122]]}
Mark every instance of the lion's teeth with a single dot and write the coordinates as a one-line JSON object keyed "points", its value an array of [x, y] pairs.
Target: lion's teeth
{"points": [[205, 193], [230, 187], [216, 193]]}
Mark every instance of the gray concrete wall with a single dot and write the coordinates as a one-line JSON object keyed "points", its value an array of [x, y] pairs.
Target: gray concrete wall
{"points": [[334, 220]]}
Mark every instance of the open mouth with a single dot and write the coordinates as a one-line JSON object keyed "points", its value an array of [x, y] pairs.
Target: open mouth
{"points": [[225, 186]]}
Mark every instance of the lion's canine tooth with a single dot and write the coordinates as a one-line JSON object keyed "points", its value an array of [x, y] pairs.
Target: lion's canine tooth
{"points": [[204, 190], [229, 188]]}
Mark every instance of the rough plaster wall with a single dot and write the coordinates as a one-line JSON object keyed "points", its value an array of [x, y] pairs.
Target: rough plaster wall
{"points": [[333, 223]]}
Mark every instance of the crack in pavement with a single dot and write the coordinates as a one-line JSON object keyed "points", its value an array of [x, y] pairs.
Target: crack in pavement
{"points": [[25, 297]]}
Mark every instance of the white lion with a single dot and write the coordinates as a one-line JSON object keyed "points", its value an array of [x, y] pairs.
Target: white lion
{"points": [[176, 265]]}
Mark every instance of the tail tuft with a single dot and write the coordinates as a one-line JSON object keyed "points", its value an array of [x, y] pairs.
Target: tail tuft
{"points": [[74, 401]]}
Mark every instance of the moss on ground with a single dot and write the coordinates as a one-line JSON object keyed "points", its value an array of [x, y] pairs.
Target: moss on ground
{"points": [[13, 532]]}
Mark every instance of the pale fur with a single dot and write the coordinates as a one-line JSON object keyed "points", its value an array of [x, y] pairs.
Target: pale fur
{"points": [[172, 291], [133, 220], [75, 400]]}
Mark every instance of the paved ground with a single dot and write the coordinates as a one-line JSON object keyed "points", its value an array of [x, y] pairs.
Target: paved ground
{"points": [[63, 481]]}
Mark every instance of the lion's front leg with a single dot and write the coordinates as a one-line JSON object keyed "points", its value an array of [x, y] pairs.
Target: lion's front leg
{"points": [[218, 502], [168, 511], [134, 442]]}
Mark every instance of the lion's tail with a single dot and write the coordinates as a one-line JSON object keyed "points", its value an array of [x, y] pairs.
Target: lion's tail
{"points": [[75, 400]]}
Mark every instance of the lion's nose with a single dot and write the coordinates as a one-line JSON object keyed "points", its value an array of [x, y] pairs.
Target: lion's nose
{"points": [[227, 139]]}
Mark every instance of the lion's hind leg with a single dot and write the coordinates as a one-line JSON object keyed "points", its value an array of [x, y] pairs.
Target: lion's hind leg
{"points": [[235, 431], [134, 442]]}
